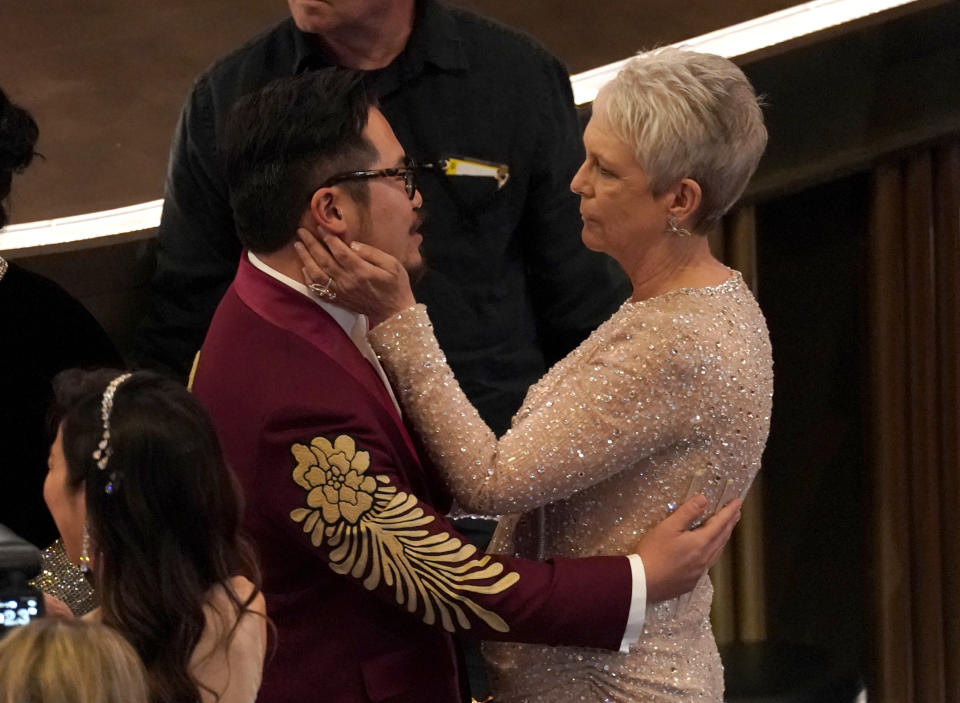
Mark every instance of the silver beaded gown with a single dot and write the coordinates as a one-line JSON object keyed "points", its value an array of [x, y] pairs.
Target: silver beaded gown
{"points": [[670, 396]]}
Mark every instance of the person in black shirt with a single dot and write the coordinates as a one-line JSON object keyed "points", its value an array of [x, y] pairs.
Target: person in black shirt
{"points": [[510, 286], [45, 331]]}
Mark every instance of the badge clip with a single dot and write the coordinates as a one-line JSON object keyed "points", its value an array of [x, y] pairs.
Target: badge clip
{"points": [[464, 166]]}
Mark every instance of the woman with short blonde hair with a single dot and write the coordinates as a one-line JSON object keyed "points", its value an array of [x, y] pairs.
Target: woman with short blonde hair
{"points": [[55, 660], [684, 114]]}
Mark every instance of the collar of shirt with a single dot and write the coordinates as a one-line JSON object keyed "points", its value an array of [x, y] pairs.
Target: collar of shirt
{"points": [[347, 319], [354, 324], [435, 39]]}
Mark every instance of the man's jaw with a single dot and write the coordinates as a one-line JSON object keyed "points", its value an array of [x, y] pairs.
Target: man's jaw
{"points": [[421, 217], [417, 270]]}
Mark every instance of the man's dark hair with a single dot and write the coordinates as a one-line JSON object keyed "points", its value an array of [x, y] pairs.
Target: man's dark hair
{"points": [[18, 135], [286, 139]]}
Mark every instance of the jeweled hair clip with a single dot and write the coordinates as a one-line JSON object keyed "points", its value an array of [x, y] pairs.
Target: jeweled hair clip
{"points": [[103, 451]]}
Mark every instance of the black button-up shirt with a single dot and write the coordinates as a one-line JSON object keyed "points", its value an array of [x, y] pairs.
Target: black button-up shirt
{"points": [[510, 287]]}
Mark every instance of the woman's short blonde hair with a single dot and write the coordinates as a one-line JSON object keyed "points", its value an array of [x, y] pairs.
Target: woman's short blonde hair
{"points": [[685, 114], [52, 660]]}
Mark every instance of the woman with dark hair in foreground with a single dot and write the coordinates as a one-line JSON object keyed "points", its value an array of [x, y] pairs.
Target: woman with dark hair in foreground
{"points": [[140, 493]]}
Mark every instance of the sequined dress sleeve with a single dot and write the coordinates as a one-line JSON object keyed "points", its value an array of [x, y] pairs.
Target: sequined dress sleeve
{"points": [[633, 389], [671, 394]]}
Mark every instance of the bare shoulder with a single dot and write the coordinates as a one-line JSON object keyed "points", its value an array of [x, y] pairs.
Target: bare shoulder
{"points": [[244, 588], [228, 659]]}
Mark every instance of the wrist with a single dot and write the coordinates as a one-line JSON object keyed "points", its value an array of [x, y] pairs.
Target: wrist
{"points": [[394, 311]]}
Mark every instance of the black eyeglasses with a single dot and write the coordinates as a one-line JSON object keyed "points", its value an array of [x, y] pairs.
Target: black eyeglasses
{"points": [[407, 173]]}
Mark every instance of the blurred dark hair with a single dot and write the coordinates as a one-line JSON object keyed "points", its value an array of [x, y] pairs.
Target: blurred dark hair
{"points": [[18, 135], [286, 139], [170, 529]]}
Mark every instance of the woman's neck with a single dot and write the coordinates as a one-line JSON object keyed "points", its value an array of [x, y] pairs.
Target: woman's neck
{"points": [[670, 265]]}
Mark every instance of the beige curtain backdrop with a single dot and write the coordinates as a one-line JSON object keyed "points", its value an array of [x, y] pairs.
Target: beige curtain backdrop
{"points": [[914, 422], [739, 602]]}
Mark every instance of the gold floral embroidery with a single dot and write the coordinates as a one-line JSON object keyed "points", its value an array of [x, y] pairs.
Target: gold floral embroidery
{"points": [[376, 532], [334, 476]]}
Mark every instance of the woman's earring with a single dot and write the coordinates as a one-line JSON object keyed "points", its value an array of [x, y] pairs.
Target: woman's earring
{"points": [[85, 551], [673, 227]]}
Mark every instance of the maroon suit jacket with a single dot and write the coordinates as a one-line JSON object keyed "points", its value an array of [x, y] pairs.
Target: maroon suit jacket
{"points": [[364, 577]]}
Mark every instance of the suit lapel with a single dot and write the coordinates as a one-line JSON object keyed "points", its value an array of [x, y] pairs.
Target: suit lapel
{"points": [[290, 310]]}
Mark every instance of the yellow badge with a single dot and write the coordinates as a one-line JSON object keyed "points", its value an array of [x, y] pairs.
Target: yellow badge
{"points": [[377, 533]]}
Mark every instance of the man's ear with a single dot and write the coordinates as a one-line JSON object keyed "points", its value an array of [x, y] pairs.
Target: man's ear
{"points": [[687, 197], [327, 211]]}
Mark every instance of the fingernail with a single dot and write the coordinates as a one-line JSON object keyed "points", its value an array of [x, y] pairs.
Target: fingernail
{"points": [[355, 246], [700, 501]]}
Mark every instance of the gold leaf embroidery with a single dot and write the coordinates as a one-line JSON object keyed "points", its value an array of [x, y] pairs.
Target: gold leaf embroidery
{"points": [[379, 534]]}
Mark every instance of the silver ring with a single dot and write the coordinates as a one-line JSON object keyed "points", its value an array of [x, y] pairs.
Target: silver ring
{"points": [[323, 290]]}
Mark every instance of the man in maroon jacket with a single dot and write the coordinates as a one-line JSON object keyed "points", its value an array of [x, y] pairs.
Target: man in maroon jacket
{"points": [[365, 578]]}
